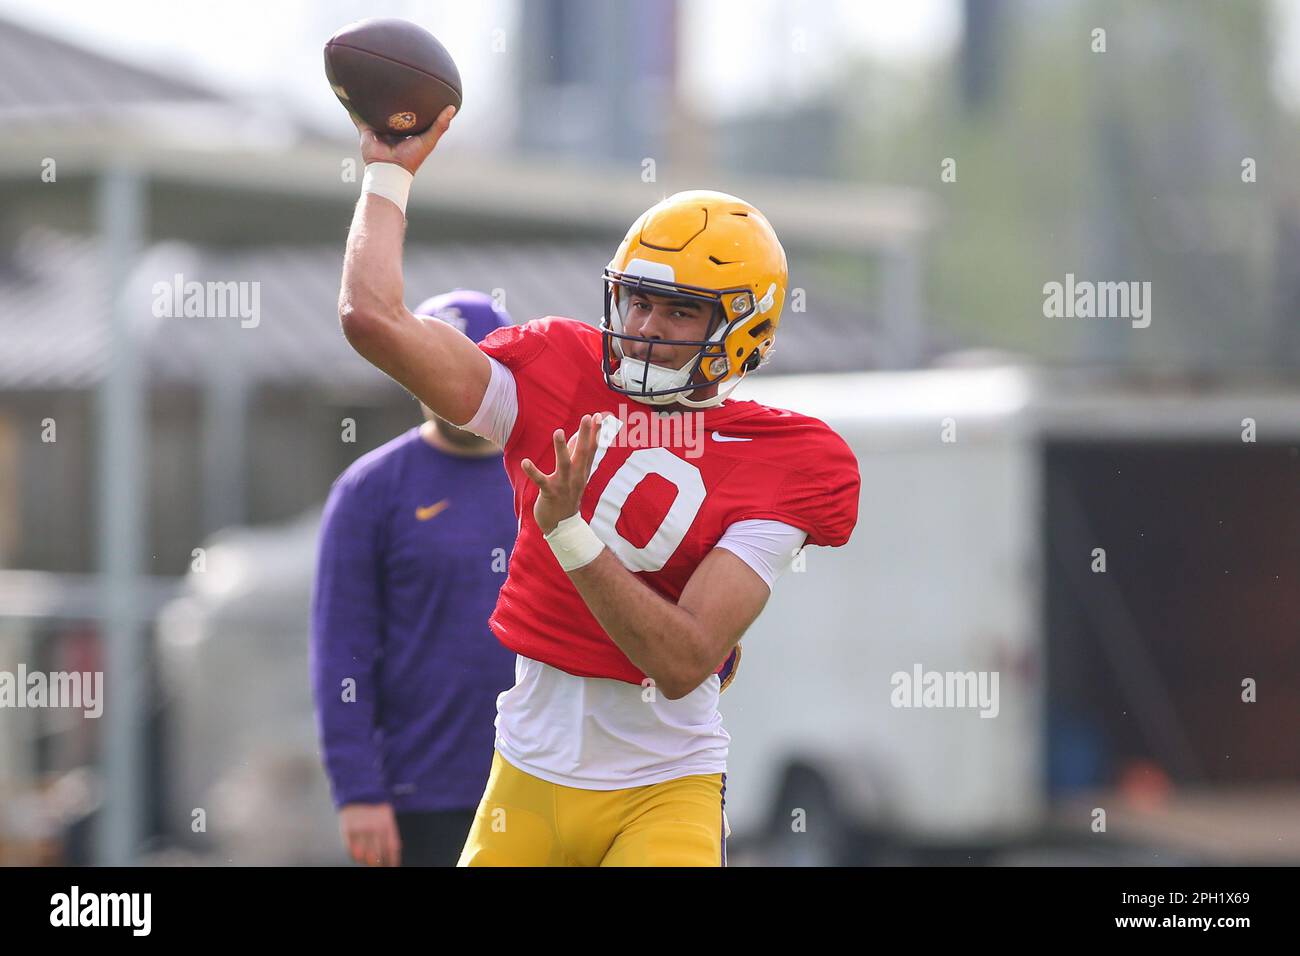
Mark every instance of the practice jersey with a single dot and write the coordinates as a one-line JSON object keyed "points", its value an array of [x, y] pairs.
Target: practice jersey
{"points": [[664, 488]]}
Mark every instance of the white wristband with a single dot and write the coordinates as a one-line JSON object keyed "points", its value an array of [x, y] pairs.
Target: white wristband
{"points": [[388, 180], [574, 543]]}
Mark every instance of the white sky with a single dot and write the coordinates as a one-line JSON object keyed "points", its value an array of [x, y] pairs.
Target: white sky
{"points": [[251, 47], [735, 53], [732, 50], [741, 54], [1286, 68]]}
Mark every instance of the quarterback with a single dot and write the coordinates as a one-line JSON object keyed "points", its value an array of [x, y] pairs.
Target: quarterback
{"points": [[644, 551]]}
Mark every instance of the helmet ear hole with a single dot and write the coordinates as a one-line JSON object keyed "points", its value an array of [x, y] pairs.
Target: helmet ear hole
{"points": [[717, 320]]}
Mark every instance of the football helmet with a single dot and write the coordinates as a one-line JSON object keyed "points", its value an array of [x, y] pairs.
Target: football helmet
{"points": [[701, 245]]}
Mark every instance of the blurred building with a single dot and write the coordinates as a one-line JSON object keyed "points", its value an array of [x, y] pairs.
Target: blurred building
{"points": [[598, 79], [132, 426], [246, 414]]}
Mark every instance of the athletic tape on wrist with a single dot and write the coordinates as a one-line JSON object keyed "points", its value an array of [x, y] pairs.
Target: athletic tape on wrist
{"points": [[574, 543], [390, 181]]}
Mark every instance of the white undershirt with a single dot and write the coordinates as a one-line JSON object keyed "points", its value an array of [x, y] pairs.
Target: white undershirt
{"points": [[602, 734]]}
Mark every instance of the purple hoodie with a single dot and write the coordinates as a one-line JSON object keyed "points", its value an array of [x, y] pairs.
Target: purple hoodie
{"points": [[405, 672]]}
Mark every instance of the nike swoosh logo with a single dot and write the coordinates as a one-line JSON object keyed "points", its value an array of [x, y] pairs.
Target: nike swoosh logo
{"points": [[430, 511], [717, 437]]}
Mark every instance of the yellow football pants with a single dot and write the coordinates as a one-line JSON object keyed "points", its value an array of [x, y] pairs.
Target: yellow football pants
{"points": [[526, 821]]}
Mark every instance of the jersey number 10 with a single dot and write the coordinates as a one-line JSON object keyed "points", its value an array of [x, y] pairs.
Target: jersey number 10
{"points": [[683, 475]]}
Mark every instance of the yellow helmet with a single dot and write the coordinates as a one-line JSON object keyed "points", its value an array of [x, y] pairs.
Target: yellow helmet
{"points": [[700, 245]]}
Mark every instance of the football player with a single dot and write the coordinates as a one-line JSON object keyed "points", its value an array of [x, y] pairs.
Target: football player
{"points": [[654, 514]]}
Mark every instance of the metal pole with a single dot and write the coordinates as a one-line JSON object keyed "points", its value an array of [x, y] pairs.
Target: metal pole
{"points": [[902, 294], [224, 414], [122, 460]]}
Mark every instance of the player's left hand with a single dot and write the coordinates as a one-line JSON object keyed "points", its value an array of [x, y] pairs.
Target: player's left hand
{"points": [[561, 491]]}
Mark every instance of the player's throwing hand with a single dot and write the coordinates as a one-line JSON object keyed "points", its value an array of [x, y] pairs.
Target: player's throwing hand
{"points": [[408, 152], [561, 491]]}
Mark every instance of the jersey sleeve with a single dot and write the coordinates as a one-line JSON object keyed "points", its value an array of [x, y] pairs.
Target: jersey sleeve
{"points": [[518, 349], [820, 494], [516, 346], [551, 360], [495, 418], [768, 547]]}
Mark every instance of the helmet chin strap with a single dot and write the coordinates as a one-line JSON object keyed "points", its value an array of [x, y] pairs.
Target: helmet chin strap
{"points": [[637, 373], [718, 397], [680, 397]]}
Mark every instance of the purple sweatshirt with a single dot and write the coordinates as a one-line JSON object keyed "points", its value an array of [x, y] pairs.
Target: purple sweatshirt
{"points": [[413, 550]]}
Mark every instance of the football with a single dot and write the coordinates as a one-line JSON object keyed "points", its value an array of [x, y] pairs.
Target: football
{"points": [[392, 75]]}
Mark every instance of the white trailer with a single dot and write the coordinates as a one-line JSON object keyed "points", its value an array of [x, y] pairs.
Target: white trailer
{"points": [[948, 571]]}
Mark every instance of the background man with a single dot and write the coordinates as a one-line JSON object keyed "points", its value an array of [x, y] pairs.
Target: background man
{"points": [[413, 550]]}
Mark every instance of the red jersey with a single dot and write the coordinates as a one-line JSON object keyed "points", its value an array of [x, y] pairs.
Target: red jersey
{"points": [[663, 489]]}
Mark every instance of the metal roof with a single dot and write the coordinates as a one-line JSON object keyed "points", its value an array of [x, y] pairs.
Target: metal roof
{"points": [[92, 112], [54, 308], [41, 75]]}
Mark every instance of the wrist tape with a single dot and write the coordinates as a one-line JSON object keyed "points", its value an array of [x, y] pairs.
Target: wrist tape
{"points": [[574, 543], [390, 181]]}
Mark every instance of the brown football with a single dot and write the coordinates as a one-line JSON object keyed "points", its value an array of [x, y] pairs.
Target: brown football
{"points": [[393, 75]]}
